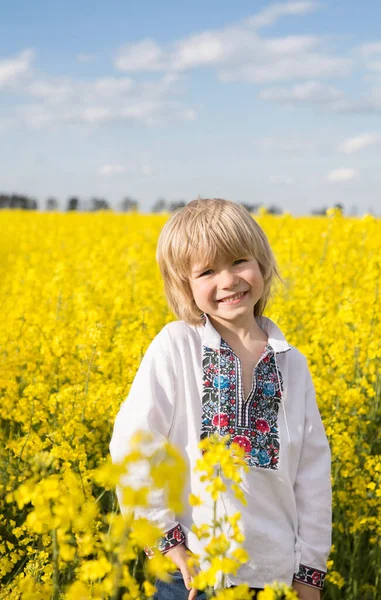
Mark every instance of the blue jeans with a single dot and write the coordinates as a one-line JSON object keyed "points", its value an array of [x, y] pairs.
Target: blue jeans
{"points": [[176, 590]]}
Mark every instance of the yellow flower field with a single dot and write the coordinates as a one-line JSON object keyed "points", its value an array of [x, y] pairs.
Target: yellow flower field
{"points": [[81, 298]]}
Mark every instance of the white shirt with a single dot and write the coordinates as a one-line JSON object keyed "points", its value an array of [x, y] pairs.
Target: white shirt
{"points": [[188, 386]]}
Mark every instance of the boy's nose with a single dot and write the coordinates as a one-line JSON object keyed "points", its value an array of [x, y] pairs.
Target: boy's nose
{"points": [[227, 279]]}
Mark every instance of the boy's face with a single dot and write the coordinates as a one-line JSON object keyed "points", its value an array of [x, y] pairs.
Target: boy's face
{"points": [[227, 290]]}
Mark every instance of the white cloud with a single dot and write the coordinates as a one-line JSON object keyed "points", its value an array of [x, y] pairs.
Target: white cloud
{"points": [[359, 142], [189, 115], [145, 55], [343, 175], [291, 44], [370, 54], [273, 13], [199, 50], [302, 65], [370, 49], [16, 69], [54, 91], [60, 91], [66, 101], [329, 97], [310, 92], [366, 105], [239, 53], [109, 87]]}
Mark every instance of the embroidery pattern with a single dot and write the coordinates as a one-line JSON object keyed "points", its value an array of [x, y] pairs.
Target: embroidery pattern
{"points": [[310, 576], [173, 537], [252, 423]]}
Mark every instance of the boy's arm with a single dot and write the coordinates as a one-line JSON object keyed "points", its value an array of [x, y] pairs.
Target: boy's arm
{"points": [[149, 407], [313, 499], [305, 592]]}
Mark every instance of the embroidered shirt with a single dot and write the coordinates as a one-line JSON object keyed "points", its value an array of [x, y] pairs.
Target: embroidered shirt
{"points": [[188, 386]]}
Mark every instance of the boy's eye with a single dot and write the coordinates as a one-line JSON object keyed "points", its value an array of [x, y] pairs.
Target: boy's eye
{"points": [[240, 260], [206, 272]]}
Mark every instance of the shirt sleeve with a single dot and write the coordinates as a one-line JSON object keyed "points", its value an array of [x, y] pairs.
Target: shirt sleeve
{"points": [[149, 407], [313, 496]]}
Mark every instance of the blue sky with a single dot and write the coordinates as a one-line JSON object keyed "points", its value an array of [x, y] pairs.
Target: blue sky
{"points": [[258, 102]]}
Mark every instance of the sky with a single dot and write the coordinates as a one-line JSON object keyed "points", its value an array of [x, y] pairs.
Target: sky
{"points": [[258, 102]]}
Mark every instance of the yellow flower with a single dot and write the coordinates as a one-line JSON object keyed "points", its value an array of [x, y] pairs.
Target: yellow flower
{"points": [[149, 589], [135, 497], [216, 487], [78, 591], [238, 492], [94, 569], [144, 533], [194, 500], [161, 566], [241, 555], [240, 592], [218, 546]]}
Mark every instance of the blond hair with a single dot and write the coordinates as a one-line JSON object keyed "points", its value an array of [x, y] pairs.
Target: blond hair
{"points": [[202, 231]]}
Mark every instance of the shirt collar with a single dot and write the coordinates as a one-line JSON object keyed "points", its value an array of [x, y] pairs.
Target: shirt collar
{"points": [[212, 339]]}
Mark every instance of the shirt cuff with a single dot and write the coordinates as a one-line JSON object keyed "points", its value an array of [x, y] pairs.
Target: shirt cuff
{"points": [[172, 538], [310, 576]]}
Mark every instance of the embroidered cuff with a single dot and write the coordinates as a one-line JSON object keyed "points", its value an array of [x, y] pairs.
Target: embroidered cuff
{"points": [[310, 576], [173, 537]]}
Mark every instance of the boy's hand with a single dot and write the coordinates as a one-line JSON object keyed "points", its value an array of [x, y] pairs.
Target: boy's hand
{"points": [[179, 555], [306, 592]]}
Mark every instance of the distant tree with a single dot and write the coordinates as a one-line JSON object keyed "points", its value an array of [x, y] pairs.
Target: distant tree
{"points": [[323, 209], [129, 204], [4, 201], [175, 205], [73, 203], [160, 205], [51, 204], [23, 202], [339, 206], [252, 208], [18, 201], [99, 204], [319, 211], [273, 209]]}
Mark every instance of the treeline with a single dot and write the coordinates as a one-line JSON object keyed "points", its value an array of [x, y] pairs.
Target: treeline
{"points": [[128, 204]]}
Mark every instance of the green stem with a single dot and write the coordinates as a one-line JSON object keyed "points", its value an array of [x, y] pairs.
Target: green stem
{"points": [[56, 589]]}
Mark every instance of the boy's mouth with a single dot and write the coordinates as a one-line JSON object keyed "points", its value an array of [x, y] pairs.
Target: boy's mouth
{"points": [[232, 298]]}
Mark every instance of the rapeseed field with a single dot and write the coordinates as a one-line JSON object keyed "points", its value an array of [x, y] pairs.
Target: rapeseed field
{"points": [[81, 298]]}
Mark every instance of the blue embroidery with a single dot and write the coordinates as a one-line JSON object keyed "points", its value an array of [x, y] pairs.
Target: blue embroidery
{"points": [[224, 382]]}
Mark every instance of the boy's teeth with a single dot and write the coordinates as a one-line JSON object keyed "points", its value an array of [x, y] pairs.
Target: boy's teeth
{"points": [[233, 297]]}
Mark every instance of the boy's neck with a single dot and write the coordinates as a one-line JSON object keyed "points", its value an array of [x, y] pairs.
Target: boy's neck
{"points": [[244, 332]]}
